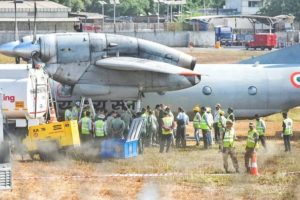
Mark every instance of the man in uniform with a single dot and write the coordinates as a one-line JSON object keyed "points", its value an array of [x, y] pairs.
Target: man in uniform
{"points": [[216, 122], [182, 121], [126, 116], [261, 129], [205, 127], [117, 127], [75, 111], [85, 125], [228, 147], [252, 139], [109, 119], [68, 115], [196, 124], [222, 127], [287, 126], [152, 126], [167, 130]]}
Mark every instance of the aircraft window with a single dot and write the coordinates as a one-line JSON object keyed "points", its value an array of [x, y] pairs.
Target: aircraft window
{"points": [[207, 90], [252, 90]]}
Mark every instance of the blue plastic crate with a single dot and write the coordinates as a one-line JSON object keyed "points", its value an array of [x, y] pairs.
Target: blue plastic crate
{"points": [[114, 148]]}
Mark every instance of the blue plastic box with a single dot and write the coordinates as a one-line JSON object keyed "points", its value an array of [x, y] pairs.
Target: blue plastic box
{"points": [[114, 148]]}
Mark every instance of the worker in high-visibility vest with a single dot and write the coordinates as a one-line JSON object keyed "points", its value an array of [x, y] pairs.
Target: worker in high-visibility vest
{"points": [[287, 131], [196, 124], [205, 127], [86, 128], [222, 127], [68, 115], [167, 131], [228, 147], [261, 129], [251, 144], [99, 129], [230, 115], [216, 123]]}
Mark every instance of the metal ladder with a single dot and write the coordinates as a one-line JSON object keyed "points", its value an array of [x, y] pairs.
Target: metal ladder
{"points": [[83, 105], [52, 102]]}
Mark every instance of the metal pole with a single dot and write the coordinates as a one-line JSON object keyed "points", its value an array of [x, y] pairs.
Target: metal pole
{"points": [[115, 16], [103, 17], [157, 14], [171, 13], [1, 118]]}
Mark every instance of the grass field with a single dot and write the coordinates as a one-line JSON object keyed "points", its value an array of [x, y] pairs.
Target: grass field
{"points": [[199, 173]]}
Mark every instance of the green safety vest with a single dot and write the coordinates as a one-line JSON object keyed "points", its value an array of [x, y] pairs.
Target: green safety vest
{"points": [[196, 121], [220, 124], [99, 128], [251, 139], [68, 115], [260, 127], [288, 126], [228, 117], [168, 123], [85, 126], [228, 140], [203, 124]]}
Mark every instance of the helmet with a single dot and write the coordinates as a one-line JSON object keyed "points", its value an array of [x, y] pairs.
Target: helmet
{"points": [[251, 124], [196, 108], [77, 103], [208, 109], [222, 112]]}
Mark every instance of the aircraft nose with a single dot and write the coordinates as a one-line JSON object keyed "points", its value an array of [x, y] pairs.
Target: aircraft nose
{"points": [[26, 49], [194, 80], [8, 48]]}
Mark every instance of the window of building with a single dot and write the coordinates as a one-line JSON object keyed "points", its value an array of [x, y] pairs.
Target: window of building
{"points": [[254, 4]]}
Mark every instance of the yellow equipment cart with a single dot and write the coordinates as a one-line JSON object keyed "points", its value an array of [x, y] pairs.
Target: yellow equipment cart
{"points": [[48, 139]]}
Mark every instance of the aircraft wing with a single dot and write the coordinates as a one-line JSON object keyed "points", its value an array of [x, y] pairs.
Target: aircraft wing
{"points": [[138, 64]]}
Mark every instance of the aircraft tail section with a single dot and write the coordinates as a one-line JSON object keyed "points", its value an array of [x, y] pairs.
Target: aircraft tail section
{"points": [[289, 55]]}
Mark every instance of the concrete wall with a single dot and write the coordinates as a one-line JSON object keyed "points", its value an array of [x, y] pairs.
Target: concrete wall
{"points": [[177, 39]]}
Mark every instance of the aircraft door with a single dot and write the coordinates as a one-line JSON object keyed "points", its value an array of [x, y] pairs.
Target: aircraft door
{"points": [[73, 48]]}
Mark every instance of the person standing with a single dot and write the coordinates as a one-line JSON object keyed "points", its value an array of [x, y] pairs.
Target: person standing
{"points": [[230, 115], [182, 121], [222, 127], [196, 124], [75, 111], [261, 129], [204, 125], [287, 126], [216, 122], [86, 127], [68, 115], [252, 139], [126, 116], [99, 129], [152, 126], [109, 119], [167, 130], [117, 127], [210, 120], [228, 147]]}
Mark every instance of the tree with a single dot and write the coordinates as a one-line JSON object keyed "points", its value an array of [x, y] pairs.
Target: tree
{"points": [[281, 7]]}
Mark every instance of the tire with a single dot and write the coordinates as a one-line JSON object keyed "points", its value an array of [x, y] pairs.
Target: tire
{"points": [[254, 48], [262, 48], [270, 48]]}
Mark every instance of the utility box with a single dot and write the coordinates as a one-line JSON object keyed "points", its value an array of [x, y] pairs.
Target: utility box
{"points": [[263, 41], [58, 135], [5, 166], [121, 148]]}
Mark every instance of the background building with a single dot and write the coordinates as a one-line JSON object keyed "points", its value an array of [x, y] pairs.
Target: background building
{"points": [[244, 7]]}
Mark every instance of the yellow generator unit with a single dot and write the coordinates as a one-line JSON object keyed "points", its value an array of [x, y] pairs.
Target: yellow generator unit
{"points": [[47, 139]]}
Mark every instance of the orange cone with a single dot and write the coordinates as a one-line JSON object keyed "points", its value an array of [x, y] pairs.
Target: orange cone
{"points": [[52, 116], [253, 169]]}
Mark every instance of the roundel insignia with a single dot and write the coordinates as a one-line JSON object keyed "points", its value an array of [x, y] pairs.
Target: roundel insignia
{"points": [[295, 79]]}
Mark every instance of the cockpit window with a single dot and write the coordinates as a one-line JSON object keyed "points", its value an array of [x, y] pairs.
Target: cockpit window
{"points": [[252, 90], [207, 90]]}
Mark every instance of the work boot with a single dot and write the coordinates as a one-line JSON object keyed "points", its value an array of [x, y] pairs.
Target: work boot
{"points": [[226, 171]]}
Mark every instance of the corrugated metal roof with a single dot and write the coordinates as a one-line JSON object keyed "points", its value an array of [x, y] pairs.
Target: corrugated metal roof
{"points": [[29, 5], [41, 19], [87, 15]]}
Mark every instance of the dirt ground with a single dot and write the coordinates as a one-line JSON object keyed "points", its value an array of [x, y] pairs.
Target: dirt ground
{"points": [[191, 173]]}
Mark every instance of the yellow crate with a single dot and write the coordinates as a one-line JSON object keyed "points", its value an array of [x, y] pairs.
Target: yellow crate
{"points": [[65, 133]]}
